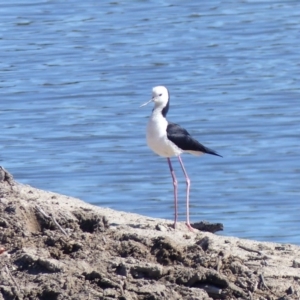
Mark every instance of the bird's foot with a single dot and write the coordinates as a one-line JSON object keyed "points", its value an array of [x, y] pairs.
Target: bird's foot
{"points": [[189, 227]]}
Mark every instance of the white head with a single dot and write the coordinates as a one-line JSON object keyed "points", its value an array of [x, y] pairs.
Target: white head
{"points": [[160, 96]]}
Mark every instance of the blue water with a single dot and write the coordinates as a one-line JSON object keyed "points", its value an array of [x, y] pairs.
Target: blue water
{"points": [[74, 73]]}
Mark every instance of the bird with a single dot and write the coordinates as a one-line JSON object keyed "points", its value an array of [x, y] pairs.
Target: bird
{"points": [[168, 139]]}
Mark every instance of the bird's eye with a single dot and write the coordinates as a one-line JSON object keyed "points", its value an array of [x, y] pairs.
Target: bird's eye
{"points": [[160, 95]]}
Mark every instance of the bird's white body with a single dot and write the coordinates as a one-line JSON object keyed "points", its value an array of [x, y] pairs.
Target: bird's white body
{"points": [[157, 136]]}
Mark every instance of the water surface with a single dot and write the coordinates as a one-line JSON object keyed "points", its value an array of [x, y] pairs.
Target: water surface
{"points": [[73, 75]]}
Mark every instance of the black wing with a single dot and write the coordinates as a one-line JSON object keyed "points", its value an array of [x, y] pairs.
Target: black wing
{"points": [[182, 139]]}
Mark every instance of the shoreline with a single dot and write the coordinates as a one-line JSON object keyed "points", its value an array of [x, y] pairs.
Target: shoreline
{"points": [[57, 247]]}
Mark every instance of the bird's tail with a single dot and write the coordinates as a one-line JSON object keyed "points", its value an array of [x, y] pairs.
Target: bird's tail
{"points": [[212, 152]]}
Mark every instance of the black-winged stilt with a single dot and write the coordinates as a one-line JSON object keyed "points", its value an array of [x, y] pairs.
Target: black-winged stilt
{"points": [[168, 139]]}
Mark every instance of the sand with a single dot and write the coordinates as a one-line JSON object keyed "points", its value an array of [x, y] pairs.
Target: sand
{"points": [[57, 247]]}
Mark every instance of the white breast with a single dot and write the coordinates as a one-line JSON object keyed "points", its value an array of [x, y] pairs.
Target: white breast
{"points": [[157, 136]]}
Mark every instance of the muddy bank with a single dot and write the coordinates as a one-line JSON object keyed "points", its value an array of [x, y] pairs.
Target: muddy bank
{"points": [[57, 247]]}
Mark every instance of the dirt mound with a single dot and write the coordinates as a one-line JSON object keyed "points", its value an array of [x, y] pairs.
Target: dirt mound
{"points": [[57, 247]]}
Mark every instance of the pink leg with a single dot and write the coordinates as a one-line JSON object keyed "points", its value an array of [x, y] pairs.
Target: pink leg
{"points": [[188, 184], [175, 191]]}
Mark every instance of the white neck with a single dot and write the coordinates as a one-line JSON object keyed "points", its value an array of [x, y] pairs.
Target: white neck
{"points": [[157, 109]]}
